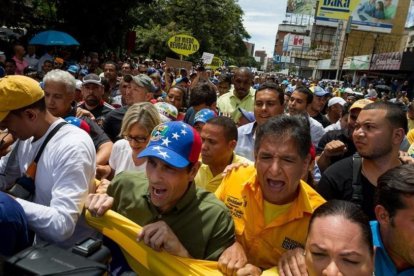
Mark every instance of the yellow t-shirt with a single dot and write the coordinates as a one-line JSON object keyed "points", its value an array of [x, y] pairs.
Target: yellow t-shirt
{"points": [[272, 211]]}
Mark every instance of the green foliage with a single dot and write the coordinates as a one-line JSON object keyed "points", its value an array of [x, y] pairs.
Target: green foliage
{"points": [[102, 25], [217, 25]]}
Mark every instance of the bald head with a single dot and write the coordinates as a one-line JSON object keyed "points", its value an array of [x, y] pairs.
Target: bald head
{"points": [[242, 81]]}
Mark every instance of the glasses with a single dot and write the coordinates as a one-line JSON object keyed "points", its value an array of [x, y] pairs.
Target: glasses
{"points": [[139, 139]]}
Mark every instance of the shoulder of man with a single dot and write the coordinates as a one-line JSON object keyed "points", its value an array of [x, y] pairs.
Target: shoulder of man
{"points": [[336, 180]]}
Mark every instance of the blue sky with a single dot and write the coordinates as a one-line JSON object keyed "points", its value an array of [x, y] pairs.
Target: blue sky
{"points": [[261, 19]]}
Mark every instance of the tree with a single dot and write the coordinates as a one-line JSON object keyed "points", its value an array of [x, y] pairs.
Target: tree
{"points": [[217, 25]]}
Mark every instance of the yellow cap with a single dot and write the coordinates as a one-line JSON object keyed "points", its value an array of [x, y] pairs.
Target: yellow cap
{"points": [[360, 104], [17, 92]]}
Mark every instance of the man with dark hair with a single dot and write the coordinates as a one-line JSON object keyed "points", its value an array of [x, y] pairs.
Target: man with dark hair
{"points": [[270, 204], [338, 144], [92, 94], [299, 101], [139, 90], [393, 231], [379, 131], [268, 102], [202, 96], [315, 108], [240, 95], [219, 138], [62, 176], [165, 200], [111, 74], [9, 67]]}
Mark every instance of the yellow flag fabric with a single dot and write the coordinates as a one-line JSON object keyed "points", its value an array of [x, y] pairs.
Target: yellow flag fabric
{"points": [[141, 258]]}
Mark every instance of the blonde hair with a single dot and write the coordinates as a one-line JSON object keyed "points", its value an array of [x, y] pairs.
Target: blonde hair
{"points": [[145, 114]]}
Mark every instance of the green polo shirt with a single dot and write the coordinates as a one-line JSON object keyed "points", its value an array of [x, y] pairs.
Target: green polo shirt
{"points": [[201, 222], [228, 103]]}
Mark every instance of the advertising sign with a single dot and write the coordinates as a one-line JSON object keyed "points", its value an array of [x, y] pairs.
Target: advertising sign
{"points": [[293, 42], [300, 6], [386, 61], [410, 16], [356, 63], [367, 15], [183, 44]]}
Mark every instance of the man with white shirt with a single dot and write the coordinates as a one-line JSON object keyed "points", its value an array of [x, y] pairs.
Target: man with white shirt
{"points": [[299, 101], [63, 175]]}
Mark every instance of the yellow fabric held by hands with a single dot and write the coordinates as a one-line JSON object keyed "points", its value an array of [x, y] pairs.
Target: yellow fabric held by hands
{"points": [[141, 258]]}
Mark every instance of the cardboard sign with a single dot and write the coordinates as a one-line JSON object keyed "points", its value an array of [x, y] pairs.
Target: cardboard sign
{"points": [[176, 63], [207, 58], [216, 63]]}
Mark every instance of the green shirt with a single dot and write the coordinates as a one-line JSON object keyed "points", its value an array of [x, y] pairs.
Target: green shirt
{"points": [[229, 103], [389, 12], [201, 222]]}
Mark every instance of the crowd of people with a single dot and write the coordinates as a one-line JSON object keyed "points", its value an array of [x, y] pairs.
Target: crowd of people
{"points": [[257, 172]]}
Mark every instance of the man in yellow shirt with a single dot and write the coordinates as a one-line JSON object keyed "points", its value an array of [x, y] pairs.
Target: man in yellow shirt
{"points": [[219, 138], [270, 205]]}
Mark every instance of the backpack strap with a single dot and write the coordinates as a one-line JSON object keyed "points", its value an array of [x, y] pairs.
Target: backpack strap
{"points": [[48, 137], [357, 196]]}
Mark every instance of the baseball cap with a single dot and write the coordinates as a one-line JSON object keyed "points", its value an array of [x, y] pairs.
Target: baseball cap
{"points": [[92, 78], [360, 104], [17, 92], [348, 90], [73, 69], [167, 111], [319, 91], [204, 115], [144, 81], [247, 114], [83, 72], [336, 100], [175, 143]]}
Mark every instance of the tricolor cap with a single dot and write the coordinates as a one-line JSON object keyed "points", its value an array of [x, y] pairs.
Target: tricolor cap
{"points": [[167, 111], [175, 143], [79, 123], [204, 115]]}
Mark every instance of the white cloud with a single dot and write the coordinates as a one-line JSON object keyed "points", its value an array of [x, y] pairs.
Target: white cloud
{"points": [[261, 19]]}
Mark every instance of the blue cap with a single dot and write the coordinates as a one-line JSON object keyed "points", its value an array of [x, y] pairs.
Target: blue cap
{"points": [[175, 143], [247, 114], [204, 115], [73, 69]]}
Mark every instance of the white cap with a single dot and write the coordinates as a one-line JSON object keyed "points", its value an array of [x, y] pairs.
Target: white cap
{"points": [[336, 100], [348, 90]]}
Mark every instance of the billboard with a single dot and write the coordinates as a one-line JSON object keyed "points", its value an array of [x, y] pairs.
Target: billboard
{"points": [[367, 15], [293, 42], [410, 16], [356, 63], [386, 61], [300, 6]]}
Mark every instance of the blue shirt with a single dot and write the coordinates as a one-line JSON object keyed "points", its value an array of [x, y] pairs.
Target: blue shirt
{"points": [[245, 141], [13, 226], [383, 262]]}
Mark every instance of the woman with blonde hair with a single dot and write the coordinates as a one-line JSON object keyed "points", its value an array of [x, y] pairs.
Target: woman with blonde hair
{"points": [[138, 122]]}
